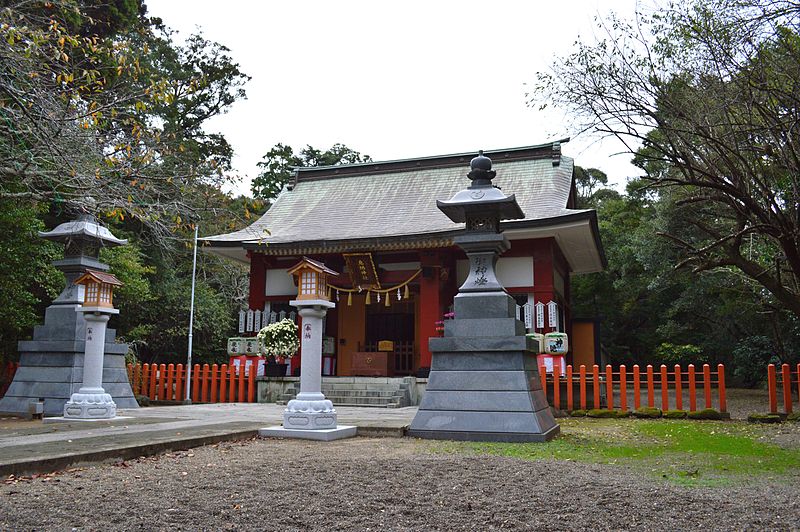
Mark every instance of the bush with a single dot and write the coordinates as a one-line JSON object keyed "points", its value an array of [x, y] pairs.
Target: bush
{"points": [[707, 413], [647, 412], [675, 414], [671, 354], [577, 413], [750, 359], [605, 414], [764, 418], [143, 400]]}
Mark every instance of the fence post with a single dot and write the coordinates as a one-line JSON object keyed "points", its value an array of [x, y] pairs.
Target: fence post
{"points": [[583, 386], [153, 381], [596, 387], [692, 389], [543, 379], [145, 380], [179, 380], [162, 377], [609, 387], [723, 401], [651, 392], [251, 382], [569, 387], [204, 385], [232, 384], [678, 388], [170, 381], [196, 383], [664, 388], [557, 386], [137, 379], [214, 372], [772, 387], [242, 369], [223, 380], [787, 388], [798, 382], [637, 394], [623, 388], [707, 384]]}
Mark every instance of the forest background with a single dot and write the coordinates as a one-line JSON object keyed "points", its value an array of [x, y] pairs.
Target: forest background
{"points": [[102, 111]]}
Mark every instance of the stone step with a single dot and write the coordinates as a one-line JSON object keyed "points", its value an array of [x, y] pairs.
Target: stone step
{"points": [[363, 393], [362, 400], [360, 386]]}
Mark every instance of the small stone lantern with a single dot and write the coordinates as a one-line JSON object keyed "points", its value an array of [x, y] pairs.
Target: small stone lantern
{"points": [[312, 279], [310, 415], [91, 401]]}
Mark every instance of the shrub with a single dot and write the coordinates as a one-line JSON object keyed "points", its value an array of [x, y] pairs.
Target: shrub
{"points": [[764, 418], [675, 414], [707, 413], [671, 354], [143, 400], [647, 412], [750, 359], [577, 413]]}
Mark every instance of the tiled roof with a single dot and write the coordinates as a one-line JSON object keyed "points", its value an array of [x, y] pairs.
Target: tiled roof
{"points": [[393, 202]]}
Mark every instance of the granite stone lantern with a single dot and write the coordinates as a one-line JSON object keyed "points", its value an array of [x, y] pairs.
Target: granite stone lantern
{"points": [[310, 415], [484, 384], [51, 364], [91, 401]]}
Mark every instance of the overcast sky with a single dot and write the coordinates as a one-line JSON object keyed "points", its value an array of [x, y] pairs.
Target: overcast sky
{"points": [[394, 79]]}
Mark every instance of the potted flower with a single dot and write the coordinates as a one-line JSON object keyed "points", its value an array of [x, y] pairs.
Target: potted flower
{"points": [[278, 341]]}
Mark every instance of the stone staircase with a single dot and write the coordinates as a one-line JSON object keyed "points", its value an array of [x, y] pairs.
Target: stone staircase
{"points": [[380, 392]]}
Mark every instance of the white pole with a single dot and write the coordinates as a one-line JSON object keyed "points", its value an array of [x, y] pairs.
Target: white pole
{"points": [[191, 322]]}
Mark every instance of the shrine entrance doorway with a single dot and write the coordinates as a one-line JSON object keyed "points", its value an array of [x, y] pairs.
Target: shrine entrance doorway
{"points": [[395, 324]]}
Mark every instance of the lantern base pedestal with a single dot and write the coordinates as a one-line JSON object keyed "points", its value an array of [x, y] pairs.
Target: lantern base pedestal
{"points": [[337, 433], [309, 412], [90, 406]]}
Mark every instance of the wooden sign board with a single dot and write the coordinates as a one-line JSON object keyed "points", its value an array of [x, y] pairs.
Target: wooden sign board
{"points": [[385, 345], [362, 270]]}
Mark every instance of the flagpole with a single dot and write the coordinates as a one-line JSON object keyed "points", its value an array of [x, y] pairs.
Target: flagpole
{"points": [[188, 399]]}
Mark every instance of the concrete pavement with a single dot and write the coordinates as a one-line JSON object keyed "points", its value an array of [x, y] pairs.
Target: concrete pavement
{"points": [[28, 447]]}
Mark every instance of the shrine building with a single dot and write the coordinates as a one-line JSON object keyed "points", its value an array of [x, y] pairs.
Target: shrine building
{"points": [[376, 224]]}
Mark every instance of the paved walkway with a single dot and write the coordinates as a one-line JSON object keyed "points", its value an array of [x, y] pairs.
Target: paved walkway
{"points": [[28, 447]]}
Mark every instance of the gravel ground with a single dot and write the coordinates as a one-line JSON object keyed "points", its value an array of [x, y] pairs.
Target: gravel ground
{"points": [[391, 484]]}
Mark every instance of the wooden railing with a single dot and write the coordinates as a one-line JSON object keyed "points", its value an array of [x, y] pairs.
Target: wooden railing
{"points": [[210, 384], [784, 379], [670, 383], [7, 373]]}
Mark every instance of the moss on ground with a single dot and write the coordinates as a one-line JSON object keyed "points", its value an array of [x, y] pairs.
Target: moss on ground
{"points": [[764, 418], [675, 414], [680, 451], [647, 412], [706, 413], [603, 413], [578, 413]]}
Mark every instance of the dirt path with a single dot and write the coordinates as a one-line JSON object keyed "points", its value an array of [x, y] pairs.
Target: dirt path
{"points": [[389, 484]]}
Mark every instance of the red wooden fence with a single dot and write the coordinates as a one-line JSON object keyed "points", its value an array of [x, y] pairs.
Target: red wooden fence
{"points": [[670, 383], [786, 378], [210, 384], [7, 375]]}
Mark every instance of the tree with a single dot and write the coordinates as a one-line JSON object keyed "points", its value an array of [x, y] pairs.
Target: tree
{"points": [[279, 164], [706, 96], [107, 115]]}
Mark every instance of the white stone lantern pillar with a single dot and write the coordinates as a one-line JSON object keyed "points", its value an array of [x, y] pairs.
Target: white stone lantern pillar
{"points": [[91, 401], [310, 415]]}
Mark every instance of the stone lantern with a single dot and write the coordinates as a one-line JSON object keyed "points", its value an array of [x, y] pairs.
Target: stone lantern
{"points": [[483, 384], [51, 363], [91, 401], [310, 415]]}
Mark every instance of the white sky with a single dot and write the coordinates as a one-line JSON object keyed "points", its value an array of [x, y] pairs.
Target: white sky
{"points": [[394, 79]]}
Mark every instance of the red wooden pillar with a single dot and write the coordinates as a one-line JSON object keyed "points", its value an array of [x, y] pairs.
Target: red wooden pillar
{"points": [[692, 389], [569, 388], [623, 389], [678, 388], [786, 375], [637, 397], [664, 388], [609, 387], [773, 389], [583, 386], [543, 264], [430, 303]]}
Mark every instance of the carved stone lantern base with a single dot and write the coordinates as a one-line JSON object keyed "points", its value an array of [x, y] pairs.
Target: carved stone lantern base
{"points": [[82, 406]]}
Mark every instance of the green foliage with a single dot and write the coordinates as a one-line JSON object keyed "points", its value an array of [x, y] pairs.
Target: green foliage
{"points": [[279, 164], [577, 413], [27, 280], [684, 355], [602, 413], [751, 357]]}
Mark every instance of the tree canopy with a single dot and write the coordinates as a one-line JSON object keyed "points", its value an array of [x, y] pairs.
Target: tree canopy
{"points": [[706, 96]]}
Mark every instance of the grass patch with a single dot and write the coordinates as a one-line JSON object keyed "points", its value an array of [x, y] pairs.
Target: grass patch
{"points": [[680, 451]]}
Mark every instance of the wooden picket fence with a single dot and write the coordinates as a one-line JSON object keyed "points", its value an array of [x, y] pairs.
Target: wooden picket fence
{"points": [[671, 385], [210, 384], [785, 379], [7, 373]]}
